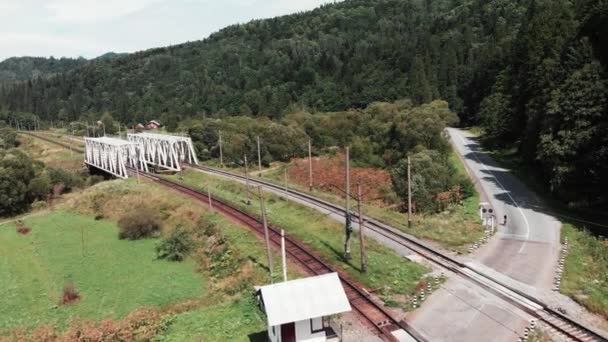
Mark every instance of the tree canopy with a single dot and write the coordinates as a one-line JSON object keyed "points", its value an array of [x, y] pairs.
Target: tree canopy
{"points": [[531, 72]]}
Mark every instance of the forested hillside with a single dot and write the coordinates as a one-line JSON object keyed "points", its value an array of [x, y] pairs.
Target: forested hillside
{"points": [[24, 68], [532, 72]]}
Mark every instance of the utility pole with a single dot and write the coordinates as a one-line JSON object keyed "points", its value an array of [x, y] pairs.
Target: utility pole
{"points": [[209, 196], [361, 233], [283, 256], [138, 164], [266, 235], [309, 165], [247, 181], [409, 193], [285, 180], [221, 153], [347, 228], [259, 158]]}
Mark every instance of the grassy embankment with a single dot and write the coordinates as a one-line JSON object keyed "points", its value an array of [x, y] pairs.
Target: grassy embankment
{"points": [[394, 277], [455, 229], [585, 278], [115, 277], [50, 154]]}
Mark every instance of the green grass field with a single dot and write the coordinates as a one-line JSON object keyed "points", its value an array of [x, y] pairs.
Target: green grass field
{"points": [[235, 321], [113, 277], [388, 272], [586, 270]]}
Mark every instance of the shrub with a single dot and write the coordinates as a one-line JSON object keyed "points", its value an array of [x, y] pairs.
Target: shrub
{"points": [[39, 205], [174, 247], [139, 223], [92, 180]]}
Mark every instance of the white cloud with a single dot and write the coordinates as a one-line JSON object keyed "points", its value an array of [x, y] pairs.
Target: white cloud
{"points": [[32, 44], [90, 28], [86, 11]]}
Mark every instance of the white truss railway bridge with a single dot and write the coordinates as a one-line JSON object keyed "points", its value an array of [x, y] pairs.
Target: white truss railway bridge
{"points": [[115, 156]]}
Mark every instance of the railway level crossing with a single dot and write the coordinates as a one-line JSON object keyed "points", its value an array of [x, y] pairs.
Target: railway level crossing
{"points": [[115, 155]]}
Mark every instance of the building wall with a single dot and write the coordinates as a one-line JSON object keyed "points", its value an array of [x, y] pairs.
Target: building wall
{"points": [[303, 332]]}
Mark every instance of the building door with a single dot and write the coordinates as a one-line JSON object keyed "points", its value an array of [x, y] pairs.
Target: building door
{"points": [[288, 332]]}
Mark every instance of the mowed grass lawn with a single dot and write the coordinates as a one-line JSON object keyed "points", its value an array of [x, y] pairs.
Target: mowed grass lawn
{"points": [[113, 278]]}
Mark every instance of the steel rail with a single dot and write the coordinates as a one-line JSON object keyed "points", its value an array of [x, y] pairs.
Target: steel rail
{"points": [[565, 325], [376, 316]]}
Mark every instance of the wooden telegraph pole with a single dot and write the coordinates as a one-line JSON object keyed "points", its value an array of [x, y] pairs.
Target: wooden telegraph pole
{"points": [[259, 158], [247, 181], [285, 181], [347, 227], [409, 192], [283, 256], [221, 153], [209, 196], [309, 165], [266, 235], [361, 232]]}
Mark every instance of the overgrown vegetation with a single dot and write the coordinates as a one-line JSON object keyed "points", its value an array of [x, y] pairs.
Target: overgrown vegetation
{"points": [[139, 222], [391, 276], [586, 269], [175, 246], [455, 227]]}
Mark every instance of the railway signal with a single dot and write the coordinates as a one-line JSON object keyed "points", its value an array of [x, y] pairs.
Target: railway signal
{"points": [[348, 229]]}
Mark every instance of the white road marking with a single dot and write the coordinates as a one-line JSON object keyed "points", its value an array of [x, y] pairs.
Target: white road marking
{"points": [[506, 192]]}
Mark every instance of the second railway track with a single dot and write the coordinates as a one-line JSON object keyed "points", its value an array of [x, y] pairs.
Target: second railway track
{"points": [[566, 326]]}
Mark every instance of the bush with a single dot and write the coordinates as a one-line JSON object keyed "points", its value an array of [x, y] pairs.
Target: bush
{"points": [[65, 178], [174, 247], [467, 187], [39, 205], [92, 180], [138, 223]]}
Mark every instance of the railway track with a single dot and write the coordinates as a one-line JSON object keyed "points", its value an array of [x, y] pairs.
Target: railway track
{"points": [[564, 325], [380, 320], [52, 141], [374, 315]]}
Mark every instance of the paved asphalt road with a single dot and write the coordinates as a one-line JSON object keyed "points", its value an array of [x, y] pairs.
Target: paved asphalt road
{"points": [[527, 248]]}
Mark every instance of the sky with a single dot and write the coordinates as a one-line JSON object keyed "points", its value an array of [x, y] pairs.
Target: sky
{"points": [[73, 28]]}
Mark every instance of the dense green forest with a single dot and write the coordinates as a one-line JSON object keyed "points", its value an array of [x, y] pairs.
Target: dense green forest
{"points": [[531, 72], [25, 68]]}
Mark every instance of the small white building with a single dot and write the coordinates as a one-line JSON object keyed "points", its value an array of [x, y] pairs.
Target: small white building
{"points": [[296, 309]]}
